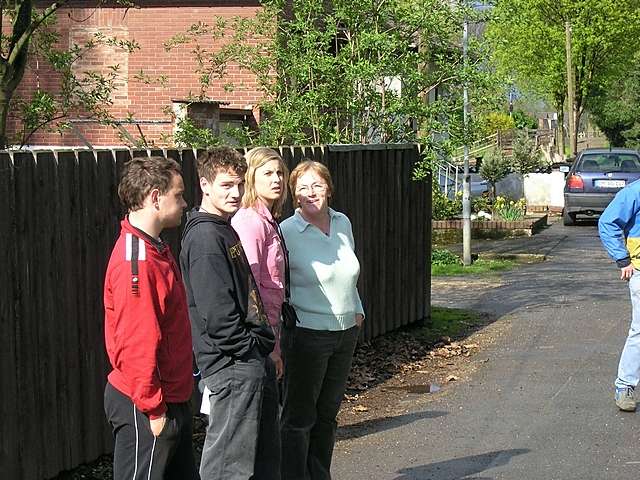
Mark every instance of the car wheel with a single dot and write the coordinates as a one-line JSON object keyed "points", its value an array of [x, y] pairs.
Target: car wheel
{"points": [[568, 219]]}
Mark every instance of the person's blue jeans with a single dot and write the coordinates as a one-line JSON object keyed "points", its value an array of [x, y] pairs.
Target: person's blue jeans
{"points": [[242, 435], [316, 367], [629, 366]]}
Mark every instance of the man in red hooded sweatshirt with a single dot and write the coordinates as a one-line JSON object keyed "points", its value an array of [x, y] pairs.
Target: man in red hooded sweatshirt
{"points": [[147, 331]]}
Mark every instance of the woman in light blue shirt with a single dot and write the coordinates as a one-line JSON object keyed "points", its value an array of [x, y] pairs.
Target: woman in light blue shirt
{"points": [[317, 352]]}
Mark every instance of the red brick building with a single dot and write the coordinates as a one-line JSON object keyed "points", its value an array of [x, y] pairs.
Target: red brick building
{"points": [[151, 24]]}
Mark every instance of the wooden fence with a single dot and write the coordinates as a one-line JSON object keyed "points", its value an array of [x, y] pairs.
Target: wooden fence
{"points": [[59, 220]]}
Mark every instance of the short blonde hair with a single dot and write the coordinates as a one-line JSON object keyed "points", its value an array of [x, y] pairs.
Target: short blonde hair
{"points": [[303, 167], [257, 157]]}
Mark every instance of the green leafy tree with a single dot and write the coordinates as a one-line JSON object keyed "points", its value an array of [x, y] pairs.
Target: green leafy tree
{"points": [[522, 120], [33, 30], [528, 39], [616, 109], [345, 73], [443, 207], [496, 122], [495, 166], [527, 157], [190, 136]]}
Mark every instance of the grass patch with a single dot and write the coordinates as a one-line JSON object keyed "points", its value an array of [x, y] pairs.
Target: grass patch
{"points": [[480, 266], [449, 322]]}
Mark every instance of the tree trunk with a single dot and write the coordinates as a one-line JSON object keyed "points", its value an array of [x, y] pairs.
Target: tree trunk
{"points": [[576, 128], [560, 130], [12, 67], [10, 78], [5, 100]]}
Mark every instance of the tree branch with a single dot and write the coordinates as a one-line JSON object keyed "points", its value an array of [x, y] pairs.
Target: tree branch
{"points": [[38, 127], [17, 46]]}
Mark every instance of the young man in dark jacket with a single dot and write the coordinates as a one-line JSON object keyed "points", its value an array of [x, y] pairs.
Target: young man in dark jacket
{"points": [[147, 332], [232, 339]]}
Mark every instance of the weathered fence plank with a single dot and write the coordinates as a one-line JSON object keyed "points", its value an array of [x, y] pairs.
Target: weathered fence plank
{"points": [[72, 391], [43, 296], [27, 316], [9, 374]]}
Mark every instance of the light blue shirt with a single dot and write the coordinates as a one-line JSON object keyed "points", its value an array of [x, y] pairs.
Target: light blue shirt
{"points": [[324, 272]]}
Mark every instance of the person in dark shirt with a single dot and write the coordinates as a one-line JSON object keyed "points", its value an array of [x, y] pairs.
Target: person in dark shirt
{"points": [[231, 336]]}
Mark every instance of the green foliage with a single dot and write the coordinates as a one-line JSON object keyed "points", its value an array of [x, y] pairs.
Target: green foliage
{"points": [[495, 166], [527, 156], [189, 136], [481, 203], [523, 120], [509, 210], [632, 136], [41, 108], [528, 39], [444, 257], [442, 207], [616, 109], [497, 122], [351, 73]]}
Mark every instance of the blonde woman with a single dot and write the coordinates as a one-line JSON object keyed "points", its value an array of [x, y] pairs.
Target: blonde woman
{"points": [[319, 350], [265, 194]]}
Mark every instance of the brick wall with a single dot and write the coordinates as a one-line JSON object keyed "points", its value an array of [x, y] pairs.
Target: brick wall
{"points": [[150, 26]]}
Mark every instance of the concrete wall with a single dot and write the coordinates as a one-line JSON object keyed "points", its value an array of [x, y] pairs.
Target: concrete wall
{"points": [[539, 189], [545, 189]]}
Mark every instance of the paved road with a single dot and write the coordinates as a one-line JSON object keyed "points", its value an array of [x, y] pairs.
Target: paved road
{"points": [[542, 407]]}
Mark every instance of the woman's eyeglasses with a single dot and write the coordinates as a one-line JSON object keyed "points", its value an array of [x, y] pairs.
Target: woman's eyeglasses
{"points": [[315, 187]]}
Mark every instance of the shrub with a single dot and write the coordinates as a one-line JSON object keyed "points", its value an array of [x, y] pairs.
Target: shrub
{"points": [[481, 203], [444, 257], [496, 121], [524, 120], [527, 157], [189, 136], [494, 168], [443, 207]]}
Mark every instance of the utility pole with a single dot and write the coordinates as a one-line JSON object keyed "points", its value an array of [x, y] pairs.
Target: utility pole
{"points": [[573, 143], [466, 180]]}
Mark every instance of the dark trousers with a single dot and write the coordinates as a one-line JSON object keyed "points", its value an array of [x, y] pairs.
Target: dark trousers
{"points": [[242, 435], [317, 365], [138, 454], [268, 454]]}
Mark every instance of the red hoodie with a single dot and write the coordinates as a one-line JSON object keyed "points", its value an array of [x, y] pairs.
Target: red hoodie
{"points": [[147, 329]]}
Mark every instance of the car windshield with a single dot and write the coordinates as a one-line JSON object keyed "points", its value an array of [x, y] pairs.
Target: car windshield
{"points": [[609, 162]]}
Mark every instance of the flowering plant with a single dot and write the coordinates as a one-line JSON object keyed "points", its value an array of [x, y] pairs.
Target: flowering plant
{"points": [[509, 210]]}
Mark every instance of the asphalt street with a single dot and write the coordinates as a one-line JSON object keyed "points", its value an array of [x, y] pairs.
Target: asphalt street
{"points": [[542, 406]]}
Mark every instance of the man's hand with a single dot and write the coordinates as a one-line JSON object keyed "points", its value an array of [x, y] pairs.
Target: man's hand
{"points": [[157, 424], [626, 272], [277, 361], [359, 319]]}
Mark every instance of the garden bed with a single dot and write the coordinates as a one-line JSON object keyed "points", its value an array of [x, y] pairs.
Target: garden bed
{"points": [[450, 231]]}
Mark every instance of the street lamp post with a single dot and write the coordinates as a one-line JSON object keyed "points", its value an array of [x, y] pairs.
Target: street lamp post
{"points": [[466, 180]]}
